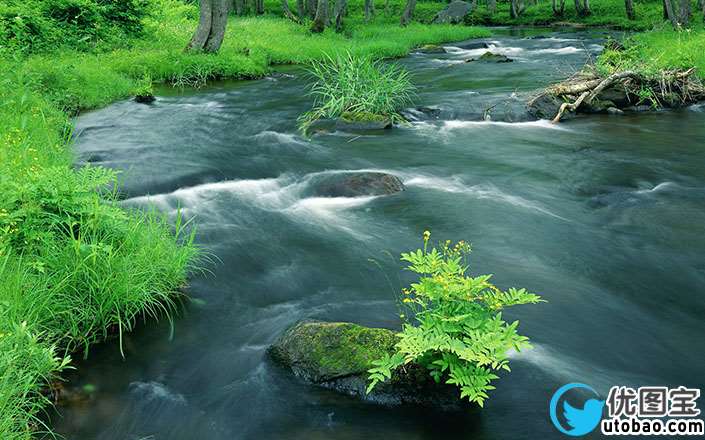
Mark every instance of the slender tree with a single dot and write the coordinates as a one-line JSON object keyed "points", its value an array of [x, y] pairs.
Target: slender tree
{"points": [[287, 11], [492, 6], [408, 13], [558, 7], [259, 7], [369, 10], [301, 9], [321, 18], [339, 13], [240, 7], [684, 15], [212, 21], [516, 8], [582, 8], [677, 13], [629, 7], [312, 5]]}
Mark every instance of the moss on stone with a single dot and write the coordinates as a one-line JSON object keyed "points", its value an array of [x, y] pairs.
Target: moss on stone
{"points": [[322, 351], [363, 117]]}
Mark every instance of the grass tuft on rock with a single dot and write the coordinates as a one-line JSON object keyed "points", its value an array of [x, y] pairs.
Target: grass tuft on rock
{"points": [[358, 89]]}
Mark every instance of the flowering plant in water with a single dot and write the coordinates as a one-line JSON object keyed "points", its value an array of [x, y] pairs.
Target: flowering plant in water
{"points": [[453, 326]]}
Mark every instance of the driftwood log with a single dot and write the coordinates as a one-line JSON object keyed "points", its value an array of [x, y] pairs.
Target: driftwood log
{"points": [[588, 91]]}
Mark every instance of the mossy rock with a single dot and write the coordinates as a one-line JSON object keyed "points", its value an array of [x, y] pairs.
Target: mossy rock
{"points": [[321, 351], [362, 121], [489, 57], [431, 48], [337, 355]]}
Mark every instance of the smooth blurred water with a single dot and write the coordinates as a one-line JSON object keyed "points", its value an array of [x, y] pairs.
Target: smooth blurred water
{"points": [[603, 215]]}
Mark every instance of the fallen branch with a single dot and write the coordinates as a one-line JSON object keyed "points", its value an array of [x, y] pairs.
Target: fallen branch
{"points": [[591, 92]]}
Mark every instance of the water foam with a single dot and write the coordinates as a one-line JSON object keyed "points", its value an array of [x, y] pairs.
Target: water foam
{"points": [[284, 194], [559, 51], [480, 191]]}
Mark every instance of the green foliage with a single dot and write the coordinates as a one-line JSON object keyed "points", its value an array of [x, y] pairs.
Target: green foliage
{"points": [[43, 25], [454, 327], [25, 363], [657, 50], [352, 85], [604, 13]]}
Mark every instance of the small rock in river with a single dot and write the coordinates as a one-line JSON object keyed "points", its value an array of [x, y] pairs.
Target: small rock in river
{"points": [[356, 184], [489, 57]]}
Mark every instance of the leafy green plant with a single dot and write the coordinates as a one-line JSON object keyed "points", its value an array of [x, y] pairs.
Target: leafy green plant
{"points": [[454, 326], [351, 85]]}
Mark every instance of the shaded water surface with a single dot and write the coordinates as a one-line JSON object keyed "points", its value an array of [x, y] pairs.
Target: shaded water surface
{"points": [[601, 215]]}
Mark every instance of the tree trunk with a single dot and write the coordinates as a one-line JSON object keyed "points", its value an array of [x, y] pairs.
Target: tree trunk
{"points": [[321, 18], [558, 7], [240, 7], [287, 11], [212, 22], [301, 9], [259, 7], [516, 8], [684, 15], [408, 13], [492, 6], [669, 14], [702, 8], [578, 8], [339, 13], [582, 9], [312, 5], [369, 10], [203, 30], [629, 7]]}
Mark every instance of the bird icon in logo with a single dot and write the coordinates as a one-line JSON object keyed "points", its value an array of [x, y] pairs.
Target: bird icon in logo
{"points": [[581, 421]]}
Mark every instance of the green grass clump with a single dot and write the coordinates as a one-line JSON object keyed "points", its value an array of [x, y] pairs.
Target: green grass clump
{"points": [[25, 364], [350, 85], [658, 50]]}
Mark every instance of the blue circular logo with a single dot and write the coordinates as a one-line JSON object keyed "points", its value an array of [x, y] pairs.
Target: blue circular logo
{"points": [[580, 421]]}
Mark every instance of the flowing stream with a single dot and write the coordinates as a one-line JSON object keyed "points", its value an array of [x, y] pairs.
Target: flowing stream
{"points": [[602, 215]]}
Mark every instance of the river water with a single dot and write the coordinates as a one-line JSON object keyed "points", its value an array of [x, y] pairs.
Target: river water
{"points": [[602, 215]]}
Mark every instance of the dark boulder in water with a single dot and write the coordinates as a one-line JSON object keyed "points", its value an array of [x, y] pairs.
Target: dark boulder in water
{"points": [[337, 355], [489, 57], [473, 45], [145, 99], [546, 106], [356, 184]]}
